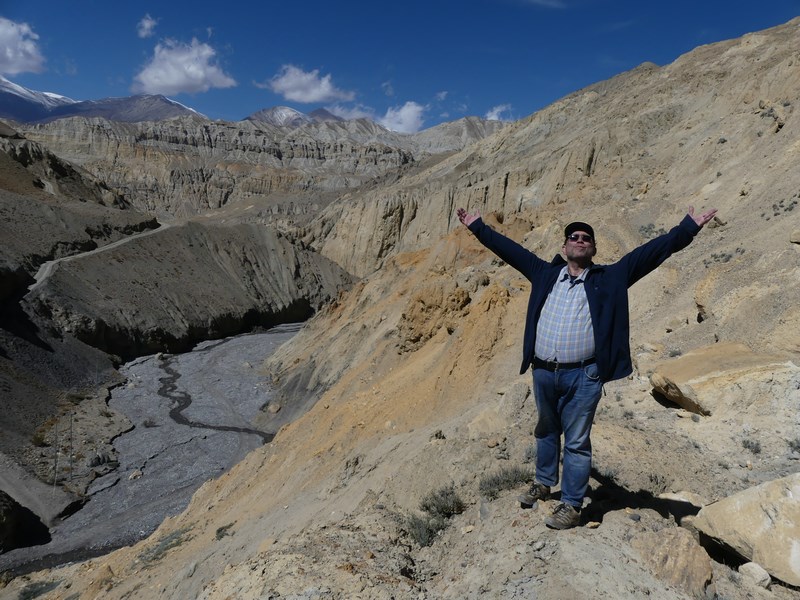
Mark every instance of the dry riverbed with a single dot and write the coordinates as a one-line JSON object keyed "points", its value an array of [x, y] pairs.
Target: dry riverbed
{"points": [[191, 418]]}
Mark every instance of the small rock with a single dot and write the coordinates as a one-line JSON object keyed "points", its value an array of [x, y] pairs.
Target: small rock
{"points": [[685, 496], [592, 525], [538, 545], [135, 475], [756, 573], [467, 529]]}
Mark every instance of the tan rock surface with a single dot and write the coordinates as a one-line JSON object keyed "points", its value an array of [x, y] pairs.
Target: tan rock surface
{"points": [[188, 166], [675, 556], [762, 524], [706, 380]]}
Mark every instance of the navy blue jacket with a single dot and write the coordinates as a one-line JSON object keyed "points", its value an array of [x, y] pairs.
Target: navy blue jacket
{"points": [[606, 290]]}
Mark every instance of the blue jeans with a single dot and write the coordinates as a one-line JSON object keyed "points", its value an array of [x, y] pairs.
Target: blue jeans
{"points": [[566, 401]]}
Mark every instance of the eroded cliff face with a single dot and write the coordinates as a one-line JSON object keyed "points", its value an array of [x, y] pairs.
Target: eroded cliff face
{"points": [[718, 125], [183, 284], [185, 166], [50, 209]]}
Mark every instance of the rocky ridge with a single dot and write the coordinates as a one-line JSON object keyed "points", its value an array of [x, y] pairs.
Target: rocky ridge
{"points": [[189, 165], [414, 369], [183, 285]]}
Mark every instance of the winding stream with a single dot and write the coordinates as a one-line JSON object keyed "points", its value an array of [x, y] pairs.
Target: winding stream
{"points": [[191, 416]]}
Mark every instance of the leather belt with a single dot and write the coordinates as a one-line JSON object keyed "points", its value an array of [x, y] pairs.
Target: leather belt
{"points": [[554, 365]]}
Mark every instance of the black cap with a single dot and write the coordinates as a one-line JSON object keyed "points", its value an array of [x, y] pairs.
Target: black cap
{"points": [[578, 226]]}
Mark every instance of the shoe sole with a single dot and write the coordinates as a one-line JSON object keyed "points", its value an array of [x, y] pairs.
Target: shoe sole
{"points": [[560, 527]]}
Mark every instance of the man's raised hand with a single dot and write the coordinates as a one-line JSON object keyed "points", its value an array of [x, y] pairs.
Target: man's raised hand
{"points": [[467, 218], [704, 218]]}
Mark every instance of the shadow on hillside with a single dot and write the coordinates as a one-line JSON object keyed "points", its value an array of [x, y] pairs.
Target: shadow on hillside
{"points": [[610, 496], [16, 321]]}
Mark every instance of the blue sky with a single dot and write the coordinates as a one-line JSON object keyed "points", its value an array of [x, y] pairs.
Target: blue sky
{"points": [[409, 65]]}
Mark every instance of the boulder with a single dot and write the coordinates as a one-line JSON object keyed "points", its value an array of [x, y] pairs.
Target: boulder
{"points": [[762, 524], [756, 573], [674, 556], [717, 377]]}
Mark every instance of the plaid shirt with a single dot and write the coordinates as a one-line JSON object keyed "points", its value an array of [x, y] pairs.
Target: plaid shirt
{"points": [[564, 331]]}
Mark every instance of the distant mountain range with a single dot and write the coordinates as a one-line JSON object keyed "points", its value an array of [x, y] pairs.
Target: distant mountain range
{"points": [[26, 106]]}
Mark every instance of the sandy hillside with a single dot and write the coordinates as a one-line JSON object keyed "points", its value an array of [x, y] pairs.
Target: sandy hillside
{"points": [[416, 368]]}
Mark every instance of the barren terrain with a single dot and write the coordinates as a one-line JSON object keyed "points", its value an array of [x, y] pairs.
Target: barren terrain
{"points": [[411, 385]]}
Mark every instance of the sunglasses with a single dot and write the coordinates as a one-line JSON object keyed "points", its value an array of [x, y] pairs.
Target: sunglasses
{"points": [[583, 237]]}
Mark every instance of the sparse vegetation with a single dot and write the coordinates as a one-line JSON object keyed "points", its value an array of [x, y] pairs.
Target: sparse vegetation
{"points": [[721, 257], [650, 231], [38, 439], [223, 531], [530, 454], [794, 445], [37, 589], [164, 545], [752, 445], [442, 503], [504, 479], [423, 530], [780, 207], [439, 506]]}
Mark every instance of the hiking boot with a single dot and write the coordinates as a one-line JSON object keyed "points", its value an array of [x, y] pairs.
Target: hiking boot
{"points": [[564, 517], [537, 492]]}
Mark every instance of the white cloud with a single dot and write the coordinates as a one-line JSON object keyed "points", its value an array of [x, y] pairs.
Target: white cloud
{"points": [[305, 86], [441, 96], [404, 119], [147, 26], [181, 68], [387, 88], [497, 113], [19, 50]]}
